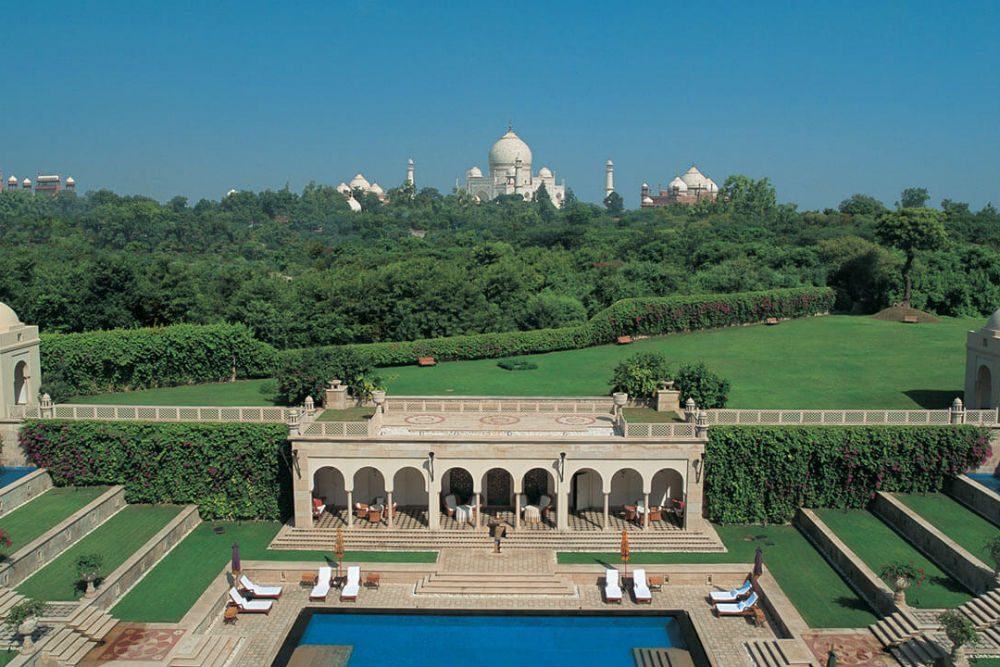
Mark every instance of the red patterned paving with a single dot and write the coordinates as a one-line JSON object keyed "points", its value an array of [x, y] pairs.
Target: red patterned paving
{"points": [[853, 649], [142, 644]]}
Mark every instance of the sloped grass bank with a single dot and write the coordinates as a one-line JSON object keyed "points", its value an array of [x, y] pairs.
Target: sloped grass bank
{"points": [[954, 520], [39, 515]]}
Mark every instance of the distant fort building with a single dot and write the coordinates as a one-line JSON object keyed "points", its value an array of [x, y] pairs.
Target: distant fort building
{"points": [[44, 184], [690, 188], [510, 174]]}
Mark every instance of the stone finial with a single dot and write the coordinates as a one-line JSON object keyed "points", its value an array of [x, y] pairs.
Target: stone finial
{"points": [[293, 421], [309, 405], [701, 424], [956, 413], [47, 401], [690, 410]]}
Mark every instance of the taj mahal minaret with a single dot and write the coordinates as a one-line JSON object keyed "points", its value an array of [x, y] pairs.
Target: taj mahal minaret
{"points": [[609, 179]]}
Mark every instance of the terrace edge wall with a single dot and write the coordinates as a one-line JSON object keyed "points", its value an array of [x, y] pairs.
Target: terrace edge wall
{"points": [[39, 552], [11, 452], [22, 490], [976, 497], [861, 577], [129, 573], [948, 554]]}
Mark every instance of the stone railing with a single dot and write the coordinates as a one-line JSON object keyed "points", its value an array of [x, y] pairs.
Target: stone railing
{"points": [[660, 430], [586, 405], [152, 413], [22, 490], [976, 497], [338, 429], [727, 417]]}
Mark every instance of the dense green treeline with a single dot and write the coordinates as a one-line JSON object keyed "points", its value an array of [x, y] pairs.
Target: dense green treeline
{"points": [[300, 270]]}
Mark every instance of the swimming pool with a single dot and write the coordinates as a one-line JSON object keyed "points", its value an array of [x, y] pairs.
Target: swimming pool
{"points": [[494, 640], [986, 479], [8, 475]]}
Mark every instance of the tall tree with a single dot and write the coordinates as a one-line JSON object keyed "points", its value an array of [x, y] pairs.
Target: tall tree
{"points": [[914, 198], [614, 203], [748, 197], [860, 204], [910, 230]]}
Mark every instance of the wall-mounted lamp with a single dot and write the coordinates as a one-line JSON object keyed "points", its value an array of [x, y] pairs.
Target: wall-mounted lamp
{"points": [[562, 466], [430, 464], [698, 464]]}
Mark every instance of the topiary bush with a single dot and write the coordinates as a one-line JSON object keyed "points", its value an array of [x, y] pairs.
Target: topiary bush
{"points": [[302, 373], [640, 374], [763, 474], [517, 365], [696, 381], [230, 470]]}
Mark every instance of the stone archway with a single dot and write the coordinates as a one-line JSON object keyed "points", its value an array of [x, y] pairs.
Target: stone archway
{"points": [[498, 488], [626, 487], [369, 486], [21, 383], [328, 485], [586, 490], [984, 388], [457, 482]]}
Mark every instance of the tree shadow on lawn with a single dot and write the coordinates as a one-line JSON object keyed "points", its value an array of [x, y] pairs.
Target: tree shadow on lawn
{"points": [[933, 399], [857, 604]]}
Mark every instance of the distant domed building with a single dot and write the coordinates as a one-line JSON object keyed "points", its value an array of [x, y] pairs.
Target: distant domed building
{"points": [[690, 188], [510, 174], [359, 182]]}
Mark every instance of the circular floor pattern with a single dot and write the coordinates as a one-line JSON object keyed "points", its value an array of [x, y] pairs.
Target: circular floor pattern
{"points": [[499, 420], [424, 419], [575, 420], [142, 644]]}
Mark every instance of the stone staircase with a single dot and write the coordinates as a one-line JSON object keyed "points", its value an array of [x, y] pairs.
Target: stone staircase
{"points": [[661, 657], [780, 653], [896, 629], [922, 651], [84, 629], [495, 583], [8, 598], [207, 651], [91, 622], [324, 539], [983, 610]]}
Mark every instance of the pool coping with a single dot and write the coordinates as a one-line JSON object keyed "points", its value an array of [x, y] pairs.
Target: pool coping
{"points": [[694, 647]]}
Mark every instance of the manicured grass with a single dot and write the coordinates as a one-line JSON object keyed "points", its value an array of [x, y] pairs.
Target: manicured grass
{"points": [[40, 514], [648, 416], [817, 591], [954, 520], [346, 415], [177, 581], [114, 540], [244, 393], [822, 362], [7, 656], [878, 545]]}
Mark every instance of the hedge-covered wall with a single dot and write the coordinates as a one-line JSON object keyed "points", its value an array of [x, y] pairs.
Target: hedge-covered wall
{"points": [[126, 359], [762, 474], [230, 470], [642, 316]]}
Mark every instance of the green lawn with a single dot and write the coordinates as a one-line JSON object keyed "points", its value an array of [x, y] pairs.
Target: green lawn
{"points": [[7, 656], [114, 540], [954, 520], [346, 415], [40, 514], [648, 416], [822, 362], [878, 545], [166, 593], [817, 591], [244, 393]]}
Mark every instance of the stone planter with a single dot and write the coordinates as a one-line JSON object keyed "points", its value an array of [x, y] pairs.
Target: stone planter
{"points": [[91, 589], [26, 630], [620, 399], [902, 583]]}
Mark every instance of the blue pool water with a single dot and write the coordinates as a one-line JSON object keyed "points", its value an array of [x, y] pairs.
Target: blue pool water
{"points": [[8, 475], [419, 640], [987, 480]]}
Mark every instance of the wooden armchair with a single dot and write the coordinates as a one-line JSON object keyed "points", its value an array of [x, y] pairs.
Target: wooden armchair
{"points": [[360, 510], [656, 514], [374, 516]]}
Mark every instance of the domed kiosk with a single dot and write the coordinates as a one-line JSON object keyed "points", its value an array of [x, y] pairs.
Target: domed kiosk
{"points": [[982, 366]]}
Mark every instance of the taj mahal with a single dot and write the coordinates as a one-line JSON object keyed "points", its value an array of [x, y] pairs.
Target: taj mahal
{"points": [[510, 173]]}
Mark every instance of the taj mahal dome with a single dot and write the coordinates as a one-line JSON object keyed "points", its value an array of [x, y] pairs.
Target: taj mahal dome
{"points": [[510, 173]]}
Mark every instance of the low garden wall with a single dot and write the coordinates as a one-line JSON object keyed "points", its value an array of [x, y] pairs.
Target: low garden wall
{"points": [[128, 574], [976, 497], [25, 561], [21, 491], [948, 554], [861, 577]]}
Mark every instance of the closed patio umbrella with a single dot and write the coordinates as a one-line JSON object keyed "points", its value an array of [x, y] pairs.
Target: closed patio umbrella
{"points": [[236, 558], [758, 563], [831, 658], [625, 552], [338, 549]]}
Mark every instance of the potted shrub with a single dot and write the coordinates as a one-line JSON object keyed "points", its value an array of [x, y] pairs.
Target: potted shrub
{"points": [[961, 632], [901, 576], [993, 546], [88, 568], [22, 619]]}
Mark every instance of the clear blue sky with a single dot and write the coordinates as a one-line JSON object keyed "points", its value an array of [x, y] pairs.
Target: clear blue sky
{"points": [[194, 98]]}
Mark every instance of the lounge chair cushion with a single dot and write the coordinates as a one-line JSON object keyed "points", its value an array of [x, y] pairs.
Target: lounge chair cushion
{"points": [[732, 595], [640, 587], [322, 586], [612, 591], [259, 591]]}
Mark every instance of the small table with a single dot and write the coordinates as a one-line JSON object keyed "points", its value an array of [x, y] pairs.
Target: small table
{"points": [[229, 615], [372, 580], [655, 583], [308, 579], [759, 618], [532, 514]]}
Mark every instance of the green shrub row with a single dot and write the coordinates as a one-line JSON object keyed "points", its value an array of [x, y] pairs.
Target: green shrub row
{"points": [[230, 470], [127, 359], [763, 474], [628, 317]]}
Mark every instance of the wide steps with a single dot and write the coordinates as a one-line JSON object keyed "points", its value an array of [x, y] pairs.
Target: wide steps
{"points": [[895, 629], [91, 622], [8, 598], [495, 584], [983, 610], [67, 647], [919, 652], [779, 653], [661, 657], [209, 651]]}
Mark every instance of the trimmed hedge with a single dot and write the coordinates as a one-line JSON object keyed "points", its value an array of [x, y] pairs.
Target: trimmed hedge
{"points": [[631, 317], [127, 359], [764, 474], [230, 470]]}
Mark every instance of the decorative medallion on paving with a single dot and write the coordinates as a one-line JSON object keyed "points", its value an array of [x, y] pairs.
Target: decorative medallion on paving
{"points": [[424, 419], [142, 644], [576, 420], [854, 650], [499, 420]]}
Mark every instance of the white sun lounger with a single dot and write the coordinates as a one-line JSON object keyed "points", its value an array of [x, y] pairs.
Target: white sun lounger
{"points": [[612, 591], [249, 606], [322, 586], [640, 587], [741, 608], [353, 585], [733, 595], [259, 591]]}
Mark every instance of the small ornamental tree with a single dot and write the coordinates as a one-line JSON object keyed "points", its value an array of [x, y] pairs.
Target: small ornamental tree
{"points": [[88, 568], [706, 388], [961, 632], [640, 374], [22, 619], [910, 230], [901, 576]]}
